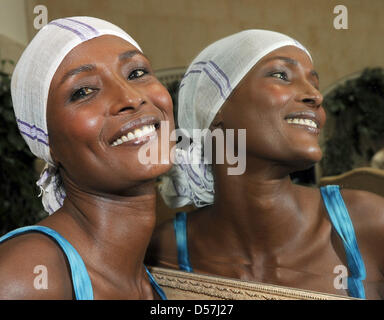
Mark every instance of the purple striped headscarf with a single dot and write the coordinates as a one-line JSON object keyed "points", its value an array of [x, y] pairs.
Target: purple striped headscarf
{"points": [[206, 85], [30, 84]]}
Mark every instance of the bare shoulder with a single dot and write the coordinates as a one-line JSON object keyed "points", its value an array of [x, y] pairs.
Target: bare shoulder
{"points": [[162, 250], [366, 210], [32, 266]]}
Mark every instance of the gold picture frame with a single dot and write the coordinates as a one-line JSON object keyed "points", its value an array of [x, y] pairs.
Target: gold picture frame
{"points": [[180, 285]]}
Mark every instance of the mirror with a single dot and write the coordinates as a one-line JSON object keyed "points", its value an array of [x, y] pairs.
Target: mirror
{"points": [[364, 178]]}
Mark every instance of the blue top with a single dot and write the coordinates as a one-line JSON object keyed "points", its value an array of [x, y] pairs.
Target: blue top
{"points": [[81, 282], [340, 220]]}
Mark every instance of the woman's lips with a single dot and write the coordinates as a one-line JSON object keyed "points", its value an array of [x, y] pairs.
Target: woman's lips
{"points": [[137, 136], [302, 121], [136, 131], [306, 119]]}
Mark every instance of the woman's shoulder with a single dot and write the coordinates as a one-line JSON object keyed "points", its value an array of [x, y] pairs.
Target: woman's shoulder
{"points": [[32, 266], [366, 210]]}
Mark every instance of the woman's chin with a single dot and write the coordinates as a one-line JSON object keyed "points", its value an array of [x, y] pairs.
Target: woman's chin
{"points": [[153, 171], [305, 163]]}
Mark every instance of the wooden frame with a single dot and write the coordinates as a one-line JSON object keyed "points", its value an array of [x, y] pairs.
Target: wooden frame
{"points": [[180, 285]]}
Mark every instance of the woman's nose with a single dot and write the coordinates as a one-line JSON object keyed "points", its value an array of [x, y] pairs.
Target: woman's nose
{"points": [[311, 96], [130, 98]]}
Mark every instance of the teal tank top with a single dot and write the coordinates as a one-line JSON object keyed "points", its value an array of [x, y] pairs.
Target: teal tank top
{"points": [[82, 285], [340, 220]]}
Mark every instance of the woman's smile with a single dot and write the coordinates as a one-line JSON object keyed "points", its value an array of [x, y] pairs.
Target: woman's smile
{"points": [[307, 120], [137, 132], [137, 137]]}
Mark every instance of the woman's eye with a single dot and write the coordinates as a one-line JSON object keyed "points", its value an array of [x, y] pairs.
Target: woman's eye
{"points": [[81, 93], [281, 75], [137, 74]]}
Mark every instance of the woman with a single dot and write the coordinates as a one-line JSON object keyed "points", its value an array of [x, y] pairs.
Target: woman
{"points": [[258, 225], [85, 84]]}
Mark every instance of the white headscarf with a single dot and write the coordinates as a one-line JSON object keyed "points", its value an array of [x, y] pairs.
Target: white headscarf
{"points": [[30, 84], [207, 83]]}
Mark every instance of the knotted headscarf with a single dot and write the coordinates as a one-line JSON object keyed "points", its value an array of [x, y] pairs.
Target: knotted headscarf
{"points": [[30, 84], [206, 85]]}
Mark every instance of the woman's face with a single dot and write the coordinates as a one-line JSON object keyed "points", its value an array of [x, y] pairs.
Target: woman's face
{"points": [[104, 105], [279, 104]]}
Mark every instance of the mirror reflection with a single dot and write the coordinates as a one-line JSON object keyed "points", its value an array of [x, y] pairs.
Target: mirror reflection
{"points": [[257, 224]]}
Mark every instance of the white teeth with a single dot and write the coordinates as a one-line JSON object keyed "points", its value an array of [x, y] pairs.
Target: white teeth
{"points": [[306, 122], [130, 136], [146, 129], [137, 133]]}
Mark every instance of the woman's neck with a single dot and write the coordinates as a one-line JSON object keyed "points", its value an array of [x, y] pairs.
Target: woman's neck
{"points": [[110, 232], [261, 210]]}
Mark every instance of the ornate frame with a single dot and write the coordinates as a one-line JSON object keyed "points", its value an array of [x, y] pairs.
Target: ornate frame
{"points": [[180, 285]]}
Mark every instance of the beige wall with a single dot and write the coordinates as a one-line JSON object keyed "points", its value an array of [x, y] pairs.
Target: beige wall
{"points": [[172, 32], [13, 23], [13, 29], [10, 50]]}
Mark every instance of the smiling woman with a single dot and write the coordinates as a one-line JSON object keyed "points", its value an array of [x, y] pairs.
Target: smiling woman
{"points": [[260, 226], [81, 89]]}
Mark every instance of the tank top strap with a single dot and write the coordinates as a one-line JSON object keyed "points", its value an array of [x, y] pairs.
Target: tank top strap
{"points": [[82, 285], [155, 285], [342, 223], [180, 226]]}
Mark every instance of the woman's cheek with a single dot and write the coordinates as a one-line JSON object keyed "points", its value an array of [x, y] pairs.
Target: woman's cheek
{"points": [[273, 96], [161, 97], [84, 125]]}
